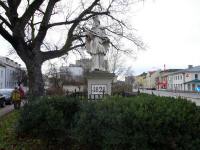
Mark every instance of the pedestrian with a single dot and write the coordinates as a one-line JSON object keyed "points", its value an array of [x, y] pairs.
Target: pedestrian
{"points": [[22, 94], [16, 98]]}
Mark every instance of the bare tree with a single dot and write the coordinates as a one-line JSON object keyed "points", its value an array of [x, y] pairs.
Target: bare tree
{"points": [[28, 26], [117, 62], [54, 76]]}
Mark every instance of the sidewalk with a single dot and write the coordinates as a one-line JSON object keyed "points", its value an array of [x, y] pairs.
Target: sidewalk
{"points": [[9, 108], [194, 97], [6, 109]]}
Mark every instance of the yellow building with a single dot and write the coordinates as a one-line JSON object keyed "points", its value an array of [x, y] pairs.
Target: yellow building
{"points": [[140, 81], [151, 78]]}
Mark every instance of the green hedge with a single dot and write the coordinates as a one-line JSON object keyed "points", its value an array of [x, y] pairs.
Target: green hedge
{"points": [[49, 119], [144, 122]]}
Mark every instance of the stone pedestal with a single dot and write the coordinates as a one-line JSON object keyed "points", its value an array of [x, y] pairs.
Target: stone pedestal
{"points": [[99, 84]]}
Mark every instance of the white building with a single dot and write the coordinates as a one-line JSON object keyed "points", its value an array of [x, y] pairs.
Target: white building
{"points": [[2, 75], [72, 70], [185, 80], [9, 73], [72, 78]]}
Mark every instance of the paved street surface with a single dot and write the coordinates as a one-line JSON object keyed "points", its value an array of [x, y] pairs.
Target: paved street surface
{"points": [[195, 97], [6, 110]]}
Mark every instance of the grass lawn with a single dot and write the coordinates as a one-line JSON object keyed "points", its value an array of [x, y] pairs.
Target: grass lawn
{"points": [[8, 138]]}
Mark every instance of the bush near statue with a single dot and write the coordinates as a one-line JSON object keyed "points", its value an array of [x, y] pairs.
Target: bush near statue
{"points": [[143, 122]]}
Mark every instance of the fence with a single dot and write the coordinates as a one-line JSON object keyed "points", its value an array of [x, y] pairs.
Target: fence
{"points": [[85, 96]]}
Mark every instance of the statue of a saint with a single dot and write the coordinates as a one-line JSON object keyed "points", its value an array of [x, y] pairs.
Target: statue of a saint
{"points": [[97, 45]]}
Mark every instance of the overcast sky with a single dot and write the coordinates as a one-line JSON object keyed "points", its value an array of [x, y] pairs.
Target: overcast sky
{"points": [[170, 28]]}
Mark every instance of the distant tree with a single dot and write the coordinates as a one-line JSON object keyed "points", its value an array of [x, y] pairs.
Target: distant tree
{"points": [[117, 60], [120, 87], [55, 77], [55, 80], [29, 25]]}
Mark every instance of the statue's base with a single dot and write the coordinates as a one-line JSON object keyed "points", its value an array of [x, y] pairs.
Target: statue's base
{"points": [[99, 84]]}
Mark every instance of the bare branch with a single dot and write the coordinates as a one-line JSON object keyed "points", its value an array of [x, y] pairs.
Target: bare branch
{"points": [[14, 4], [12, 11], [68, 43], [30, 12], [6, 22], [58, 53], [7, 36], [73, 21], [3, 5], [43, 26], [136, 41]]}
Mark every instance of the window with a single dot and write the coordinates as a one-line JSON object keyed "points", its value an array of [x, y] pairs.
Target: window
{"points": [[1, 73], [193, 87], [189, 87], [196, 76]]}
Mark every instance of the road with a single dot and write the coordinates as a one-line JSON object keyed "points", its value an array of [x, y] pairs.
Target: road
{"points": [[194, 97]]}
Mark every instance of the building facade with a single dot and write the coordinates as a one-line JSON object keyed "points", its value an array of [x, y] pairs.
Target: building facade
{"points": [[69, 78], [185, 80], [151, 79], [2, 75], [171, 79], [9, 73], [84, 63], [140, 81], [162, 79]]}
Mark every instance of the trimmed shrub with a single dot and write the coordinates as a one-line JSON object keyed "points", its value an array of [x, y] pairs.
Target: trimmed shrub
{"points": [[143, 122], [49, 119]]}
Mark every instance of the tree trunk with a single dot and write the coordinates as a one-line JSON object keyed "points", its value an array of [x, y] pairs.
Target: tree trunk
{"points": [[36, 83]]}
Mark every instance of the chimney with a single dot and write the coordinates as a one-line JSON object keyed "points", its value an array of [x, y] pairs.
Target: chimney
{"points": [[190, 66]]}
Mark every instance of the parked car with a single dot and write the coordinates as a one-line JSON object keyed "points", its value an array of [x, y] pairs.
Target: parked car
{"points": [[7, 94], [2, 100]]}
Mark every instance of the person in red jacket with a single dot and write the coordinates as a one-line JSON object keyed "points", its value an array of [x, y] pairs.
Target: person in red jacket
{"points": [[21, 92]]}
